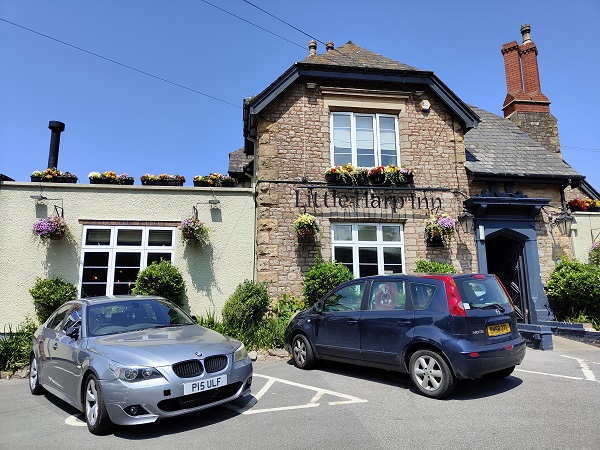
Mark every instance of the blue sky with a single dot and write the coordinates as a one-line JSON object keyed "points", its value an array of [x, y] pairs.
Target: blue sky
{"points": [[122, 120]]}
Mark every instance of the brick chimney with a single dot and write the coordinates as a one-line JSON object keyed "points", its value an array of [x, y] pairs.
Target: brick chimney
{"points": [[525, 105]]}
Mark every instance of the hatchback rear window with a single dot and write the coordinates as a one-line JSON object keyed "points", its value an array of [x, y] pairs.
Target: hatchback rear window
{"points": [[480, 293]]}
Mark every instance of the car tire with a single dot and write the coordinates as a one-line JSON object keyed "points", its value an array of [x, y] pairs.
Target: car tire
{"points": [[430, 374], [302, 353], [34, 377], [96, 415], [500, 374]]}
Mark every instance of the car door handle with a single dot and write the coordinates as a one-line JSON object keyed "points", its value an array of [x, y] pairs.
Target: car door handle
{"points": [[403, 322], [352, 322], [55, 346]]}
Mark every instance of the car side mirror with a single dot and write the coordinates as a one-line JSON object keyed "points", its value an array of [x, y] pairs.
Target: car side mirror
{"points": [[73, 332], [318, 308]]}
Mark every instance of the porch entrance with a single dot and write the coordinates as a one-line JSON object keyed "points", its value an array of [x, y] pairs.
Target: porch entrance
{"points": [[506, 259]]}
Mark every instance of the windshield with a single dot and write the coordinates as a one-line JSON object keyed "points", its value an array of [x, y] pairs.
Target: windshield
{"points": [[130, 315], [483, 292]]}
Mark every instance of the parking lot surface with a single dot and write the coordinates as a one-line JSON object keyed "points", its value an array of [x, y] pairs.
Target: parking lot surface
{"points": [[550, 401]]}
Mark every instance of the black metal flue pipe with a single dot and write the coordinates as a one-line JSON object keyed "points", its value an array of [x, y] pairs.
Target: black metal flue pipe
{"points": [[57, 128]]}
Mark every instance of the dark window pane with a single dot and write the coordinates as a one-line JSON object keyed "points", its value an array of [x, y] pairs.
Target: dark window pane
{"points": [[367, 270], [129, 237], [156, 257], [95, 274], [160, 238], [392, 255], [127, 260], [93, 289], [98, 259], [367, 255], [97, 237], [125, 275], [122, 289]]}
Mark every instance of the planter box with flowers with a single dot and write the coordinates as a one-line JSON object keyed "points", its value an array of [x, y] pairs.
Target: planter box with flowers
{"points": [[306, 227], [53, 175], [192, 229], [586, 204], [439, 230], [389, 175], [109, 178], [52, 227], [162, 180], [214, 180]]}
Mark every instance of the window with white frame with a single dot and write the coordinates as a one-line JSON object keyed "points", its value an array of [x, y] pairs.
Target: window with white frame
{"points": [[369, 249], [112, 256], [364, 140]]}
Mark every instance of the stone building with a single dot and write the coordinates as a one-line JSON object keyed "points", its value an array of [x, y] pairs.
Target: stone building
{"points": [[502, 177]]}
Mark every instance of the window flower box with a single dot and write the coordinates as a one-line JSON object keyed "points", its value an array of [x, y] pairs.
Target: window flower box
{"points": [[110, 178], [162, 180], [389, 175], [215, 180], [586, 204], [53, 175]]}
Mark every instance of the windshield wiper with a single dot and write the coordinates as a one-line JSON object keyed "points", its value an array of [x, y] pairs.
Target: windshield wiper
{"points": [[492, 305], [171, 325]]}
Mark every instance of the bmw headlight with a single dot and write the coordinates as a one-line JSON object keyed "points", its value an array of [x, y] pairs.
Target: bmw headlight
{"points": [[134, 373], [240, 354]]}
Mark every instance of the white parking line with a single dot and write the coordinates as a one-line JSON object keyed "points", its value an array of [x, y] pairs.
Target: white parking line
{"points": [[314, 401], [587, 373], [548, 374]]}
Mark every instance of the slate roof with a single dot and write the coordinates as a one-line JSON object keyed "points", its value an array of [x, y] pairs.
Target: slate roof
{"points": [[239, 162], [498, 148], [350, 55]]}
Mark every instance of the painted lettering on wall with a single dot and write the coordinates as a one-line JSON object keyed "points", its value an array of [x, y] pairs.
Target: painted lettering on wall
{"points": [[307, 198]]}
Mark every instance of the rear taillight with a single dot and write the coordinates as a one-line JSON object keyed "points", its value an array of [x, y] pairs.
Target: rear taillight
{"points": [[455, 304]]}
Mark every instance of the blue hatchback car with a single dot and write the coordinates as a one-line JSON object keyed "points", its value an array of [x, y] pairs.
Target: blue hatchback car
{"points": [[438, 328]]}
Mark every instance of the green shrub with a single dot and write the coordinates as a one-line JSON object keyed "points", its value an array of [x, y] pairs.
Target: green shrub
{"points": [[48, 294], [15, 347], [323, 277], [424, 266], [246, 305], [574, 289], [163, 279], [286, 306]]}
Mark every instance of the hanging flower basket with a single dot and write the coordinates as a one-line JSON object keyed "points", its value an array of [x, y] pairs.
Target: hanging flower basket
{"points": [[192, 229], [306, 227], [52, 227], [439, 228]]}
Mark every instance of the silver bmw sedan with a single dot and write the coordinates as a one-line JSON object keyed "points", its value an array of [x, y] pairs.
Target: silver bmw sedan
{"points": [[130, 360]]}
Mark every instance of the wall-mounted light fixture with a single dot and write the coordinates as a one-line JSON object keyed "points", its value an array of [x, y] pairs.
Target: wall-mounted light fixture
{"points": [[564, 223], [425, 105], [466, 223], [214, 203]]}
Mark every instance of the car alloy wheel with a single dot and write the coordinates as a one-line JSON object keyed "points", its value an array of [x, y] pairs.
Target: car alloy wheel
{"points": [[96, 415], [430, 374], [34, 377], [302, 353]]}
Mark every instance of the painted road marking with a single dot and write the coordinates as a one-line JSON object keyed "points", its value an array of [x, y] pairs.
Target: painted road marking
{"points": [[548, 374], [587, 373], [314, 401]]}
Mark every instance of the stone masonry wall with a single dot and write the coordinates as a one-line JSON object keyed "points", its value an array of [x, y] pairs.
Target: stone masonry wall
{"points": [[294, 143]]}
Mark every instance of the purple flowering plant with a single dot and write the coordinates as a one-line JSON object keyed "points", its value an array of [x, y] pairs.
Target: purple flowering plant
{"points": [[192, 228], [440, 225], [50, 226], [594, 254]]}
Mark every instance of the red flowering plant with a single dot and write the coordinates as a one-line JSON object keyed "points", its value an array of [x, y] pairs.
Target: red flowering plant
{"points": [[577, 204]]}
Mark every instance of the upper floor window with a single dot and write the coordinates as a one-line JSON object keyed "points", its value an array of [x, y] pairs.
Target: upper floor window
{"points": [[112, 256], [364, 140]]}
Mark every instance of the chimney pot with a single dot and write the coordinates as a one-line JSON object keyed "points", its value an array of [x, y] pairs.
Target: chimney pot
{"points": [[329, 46], [525, 32], [312, 47], [56, 127]]}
